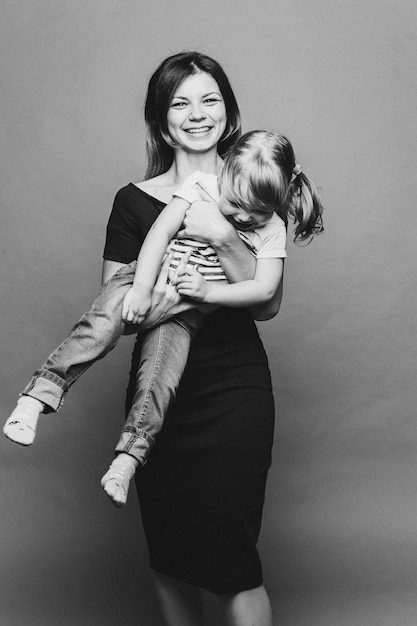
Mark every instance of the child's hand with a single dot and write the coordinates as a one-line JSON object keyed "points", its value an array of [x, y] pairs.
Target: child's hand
{"points": [[136, 304], [190, 283]]}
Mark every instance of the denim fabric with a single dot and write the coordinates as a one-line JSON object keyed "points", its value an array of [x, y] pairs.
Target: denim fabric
{"points": [[163, 359]]}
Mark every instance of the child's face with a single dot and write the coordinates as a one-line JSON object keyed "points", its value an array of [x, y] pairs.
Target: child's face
{"points": [[241, 218]]}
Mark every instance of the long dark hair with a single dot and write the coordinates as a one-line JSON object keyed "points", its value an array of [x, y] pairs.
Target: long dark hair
{"points": [[162, 86]]}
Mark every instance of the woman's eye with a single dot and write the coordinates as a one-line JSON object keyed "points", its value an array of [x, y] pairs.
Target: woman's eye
{"points": [[178, 105], [211, 101]]}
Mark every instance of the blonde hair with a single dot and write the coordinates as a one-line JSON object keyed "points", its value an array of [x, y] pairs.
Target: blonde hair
{"points": [[260, 173]]}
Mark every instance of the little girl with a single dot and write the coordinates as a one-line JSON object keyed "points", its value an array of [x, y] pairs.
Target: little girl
{"points": [[259, 189]]}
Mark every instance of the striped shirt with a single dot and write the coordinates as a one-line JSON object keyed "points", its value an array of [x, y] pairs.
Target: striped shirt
{"points": [[267, 241]]}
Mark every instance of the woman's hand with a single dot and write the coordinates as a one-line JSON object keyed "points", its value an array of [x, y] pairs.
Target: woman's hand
{"points": [[204, 222]]}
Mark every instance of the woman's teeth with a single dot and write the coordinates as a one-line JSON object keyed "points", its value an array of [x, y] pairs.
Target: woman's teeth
{"points": [[196, 131]]}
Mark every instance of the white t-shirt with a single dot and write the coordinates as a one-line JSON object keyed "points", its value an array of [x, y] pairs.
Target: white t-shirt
{"points": [[265, 242]]}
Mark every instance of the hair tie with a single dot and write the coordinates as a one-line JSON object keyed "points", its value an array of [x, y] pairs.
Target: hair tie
{"points": [[296, 171]]}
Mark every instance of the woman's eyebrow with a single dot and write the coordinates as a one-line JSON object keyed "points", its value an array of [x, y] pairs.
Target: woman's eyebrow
{"points": [[205, 95]]}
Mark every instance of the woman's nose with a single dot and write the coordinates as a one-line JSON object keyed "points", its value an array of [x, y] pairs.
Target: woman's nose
{"points": [[196, 112]]}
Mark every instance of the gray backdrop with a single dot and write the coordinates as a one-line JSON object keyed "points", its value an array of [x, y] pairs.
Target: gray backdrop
{"points": [[338, 77]]}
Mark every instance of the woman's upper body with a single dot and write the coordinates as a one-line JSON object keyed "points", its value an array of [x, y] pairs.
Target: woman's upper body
{"points": [[228, 336], [191, 113]]}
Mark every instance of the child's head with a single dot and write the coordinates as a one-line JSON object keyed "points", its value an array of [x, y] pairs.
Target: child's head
{"points": [[260, 177]]}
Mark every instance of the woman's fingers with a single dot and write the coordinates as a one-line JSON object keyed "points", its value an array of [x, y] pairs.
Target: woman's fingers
{"points": [[181, 268]]}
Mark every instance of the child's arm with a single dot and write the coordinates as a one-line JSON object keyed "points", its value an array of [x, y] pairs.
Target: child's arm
{"points": [[238, 264], [260, 290], [137, 301]]}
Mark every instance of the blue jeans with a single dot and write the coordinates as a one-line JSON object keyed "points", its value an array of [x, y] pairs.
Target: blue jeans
{"points": [[164, 356]]}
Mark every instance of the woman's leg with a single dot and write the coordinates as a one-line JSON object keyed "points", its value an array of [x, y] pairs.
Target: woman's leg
{"points": [[180, 604], [248, 608]]}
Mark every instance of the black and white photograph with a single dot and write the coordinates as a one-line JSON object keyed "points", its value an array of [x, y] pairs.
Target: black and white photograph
{"points": [[208, 330]]}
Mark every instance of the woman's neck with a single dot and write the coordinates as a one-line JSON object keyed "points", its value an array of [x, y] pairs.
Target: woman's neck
{"points": [[163, 186], [186, 163]]}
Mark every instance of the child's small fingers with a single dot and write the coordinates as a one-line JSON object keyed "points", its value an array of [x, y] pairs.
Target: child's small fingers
{"points": [[182, 265], [187, 284], [185, 291], [185, 281]]}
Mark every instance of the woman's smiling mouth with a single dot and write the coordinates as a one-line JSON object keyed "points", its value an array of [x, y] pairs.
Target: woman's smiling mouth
{"points": [[198, 131]]}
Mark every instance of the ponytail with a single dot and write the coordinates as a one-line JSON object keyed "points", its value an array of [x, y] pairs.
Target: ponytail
{"points": [[304, 206], [275, 182]]}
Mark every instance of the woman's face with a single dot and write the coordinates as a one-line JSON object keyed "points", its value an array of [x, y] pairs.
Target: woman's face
{"points": [[196, 116]]}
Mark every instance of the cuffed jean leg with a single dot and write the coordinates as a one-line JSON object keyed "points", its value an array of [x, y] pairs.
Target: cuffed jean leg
{"points": [[164, 356], [90, 340]]}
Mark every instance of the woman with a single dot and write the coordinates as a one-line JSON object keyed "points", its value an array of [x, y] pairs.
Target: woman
{"points": [[202, 490]]}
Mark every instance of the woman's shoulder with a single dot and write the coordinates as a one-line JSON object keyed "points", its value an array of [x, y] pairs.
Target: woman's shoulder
{"points": [[132, 215], [134, 209], [133, 198], [160, 187]]}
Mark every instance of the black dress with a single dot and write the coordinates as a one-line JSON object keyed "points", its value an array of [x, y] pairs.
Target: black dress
{"points": [[202, 491]]}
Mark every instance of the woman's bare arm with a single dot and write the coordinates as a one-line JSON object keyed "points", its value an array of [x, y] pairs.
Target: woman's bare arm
{"points": [[204, 222], [253, 292]]}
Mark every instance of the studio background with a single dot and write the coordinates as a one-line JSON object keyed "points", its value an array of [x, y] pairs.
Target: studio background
{"points": [[338, 77]]}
